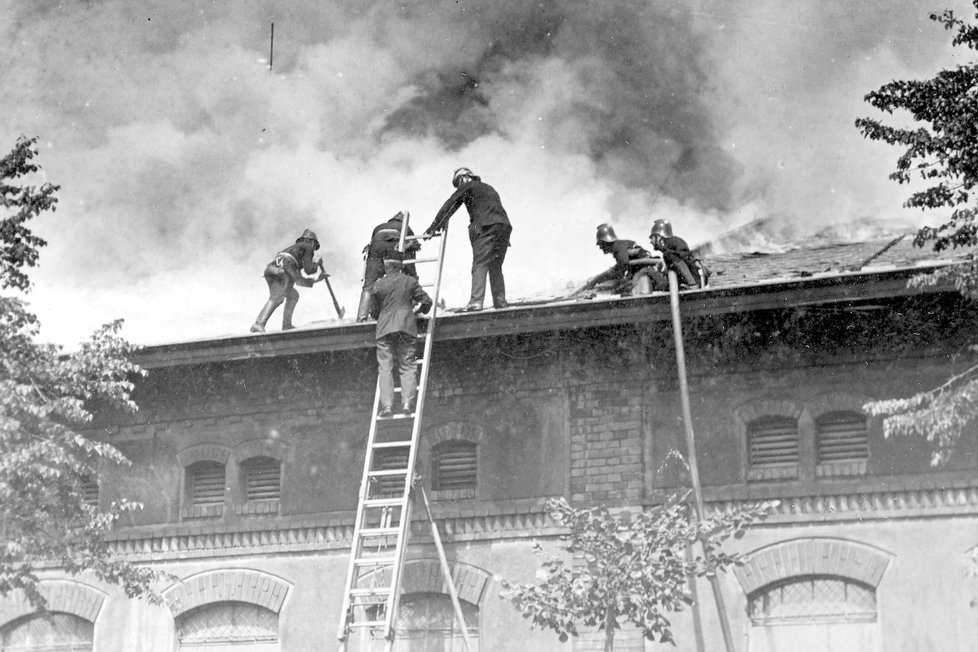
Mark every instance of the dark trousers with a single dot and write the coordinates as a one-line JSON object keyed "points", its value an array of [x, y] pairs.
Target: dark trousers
{"points": [[281, 287], [489, 246], [397, 349]]}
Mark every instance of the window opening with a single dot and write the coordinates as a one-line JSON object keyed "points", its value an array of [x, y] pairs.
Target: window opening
{"points": [[454, 466]]}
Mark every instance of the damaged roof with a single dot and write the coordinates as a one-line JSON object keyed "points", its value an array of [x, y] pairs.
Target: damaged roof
{"points": [[824, 272]]}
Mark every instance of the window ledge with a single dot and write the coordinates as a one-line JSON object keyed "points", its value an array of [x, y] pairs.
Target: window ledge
{"points": [[453, 494], [203, 511], [763, 473], [259, 507], [840, 469]]}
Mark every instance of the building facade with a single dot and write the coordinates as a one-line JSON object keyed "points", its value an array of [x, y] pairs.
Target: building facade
{"points": [[247, 452]]}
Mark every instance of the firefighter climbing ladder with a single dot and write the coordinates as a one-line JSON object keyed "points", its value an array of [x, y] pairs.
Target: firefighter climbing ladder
{"points": [[383, 519]]}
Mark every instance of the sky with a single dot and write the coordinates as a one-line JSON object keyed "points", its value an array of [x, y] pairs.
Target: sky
{"points": [[185, 163]]}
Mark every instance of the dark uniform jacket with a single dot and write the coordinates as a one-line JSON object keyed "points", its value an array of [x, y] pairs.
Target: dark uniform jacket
{"points": [[385, 237], [395, 296], [625, 252], [296, 257], [482, 202], [675, 249]]}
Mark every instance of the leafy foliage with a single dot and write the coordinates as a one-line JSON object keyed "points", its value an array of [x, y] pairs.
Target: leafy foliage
{"points": [[45, 399], [18, 245], [626, 568], [940, 151]]}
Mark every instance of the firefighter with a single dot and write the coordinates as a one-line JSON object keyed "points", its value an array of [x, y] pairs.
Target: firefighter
{"points": [[632, 264], [383, 240], [398, 298], [284, 273], [489, 231], [677, 256]]}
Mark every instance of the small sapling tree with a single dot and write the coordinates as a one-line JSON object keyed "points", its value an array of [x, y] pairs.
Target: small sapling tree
{"points": [[626, 568]]}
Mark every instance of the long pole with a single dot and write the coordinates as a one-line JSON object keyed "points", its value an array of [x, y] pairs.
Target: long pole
{"points": [[271, 48], [447, 572], [694, 473]]}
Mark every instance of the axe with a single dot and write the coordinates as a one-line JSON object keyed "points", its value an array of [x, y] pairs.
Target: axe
{"points": [[336, 304]]}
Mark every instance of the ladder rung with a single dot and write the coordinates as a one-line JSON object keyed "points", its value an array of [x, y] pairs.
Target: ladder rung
{"points": [[379, 531], [370, 590], [387, 472], [412, 261], [383, 502], [375, 561], [397, 416], [367, 623], [392, 444], [427, 285]]}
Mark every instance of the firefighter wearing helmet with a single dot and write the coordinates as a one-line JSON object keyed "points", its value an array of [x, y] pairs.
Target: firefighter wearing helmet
{"points": [[489, 231], [284, 273], [632, 264], [383, 240], [677, 256]]}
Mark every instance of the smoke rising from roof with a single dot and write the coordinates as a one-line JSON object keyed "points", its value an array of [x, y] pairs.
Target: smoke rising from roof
{"points": [[185, 164]]}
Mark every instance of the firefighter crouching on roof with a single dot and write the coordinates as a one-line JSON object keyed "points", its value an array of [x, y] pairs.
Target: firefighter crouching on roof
{"points": [[383, 241], [677, 256], [633, 265], [283, 274]]}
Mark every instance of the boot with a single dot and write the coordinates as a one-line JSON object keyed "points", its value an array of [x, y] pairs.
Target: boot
{"points": [[363, 310], [287, 316], [262, 319]]}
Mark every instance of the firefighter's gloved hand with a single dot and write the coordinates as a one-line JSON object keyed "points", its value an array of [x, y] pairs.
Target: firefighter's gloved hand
{"points": [[427, 235]]}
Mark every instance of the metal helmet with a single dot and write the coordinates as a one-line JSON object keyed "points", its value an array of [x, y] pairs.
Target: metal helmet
{"points": [[310, 235], [605, 234], [401, 216], [458, 174], [661, 227]]}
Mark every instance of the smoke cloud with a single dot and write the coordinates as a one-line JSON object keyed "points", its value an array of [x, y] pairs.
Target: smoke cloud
{"points": [[185, 164]]}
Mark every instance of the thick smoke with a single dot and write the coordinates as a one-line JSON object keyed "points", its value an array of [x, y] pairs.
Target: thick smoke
{"points": [[185, 164]]}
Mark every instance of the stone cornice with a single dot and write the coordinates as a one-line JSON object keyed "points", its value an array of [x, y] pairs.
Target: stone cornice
{"points": [[459, 523], [960, 499]]}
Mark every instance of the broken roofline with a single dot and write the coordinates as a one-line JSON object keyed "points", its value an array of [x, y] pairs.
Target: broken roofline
{"points": [[556, 316]]}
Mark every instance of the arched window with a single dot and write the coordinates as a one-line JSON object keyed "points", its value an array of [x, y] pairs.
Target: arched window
{"points": [[426, 623], [262, 478], [816, 599], [842, 443], [55, 631], [237, 626], [814, 613], [453, 466], [772, 443], [205, 491]]}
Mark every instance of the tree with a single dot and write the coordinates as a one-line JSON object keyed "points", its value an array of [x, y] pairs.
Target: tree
{"points": [[626, 568], [941, 151], [46, 397]]}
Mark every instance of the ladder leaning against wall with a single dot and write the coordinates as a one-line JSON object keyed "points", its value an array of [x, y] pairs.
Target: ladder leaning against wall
{"points": [[383, 518]]}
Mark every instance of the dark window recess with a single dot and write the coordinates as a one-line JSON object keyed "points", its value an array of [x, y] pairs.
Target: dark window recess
{"points": [[454, 466], [206, 483], [263, 478], [842, 437], [89, 490], [389, 459], [773, 441]]}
